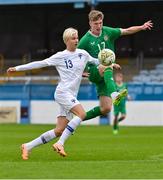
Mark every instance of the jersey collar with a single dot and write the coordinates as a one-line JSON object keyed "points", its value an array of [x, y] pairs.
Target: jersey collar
{"points": [[94, 34]]}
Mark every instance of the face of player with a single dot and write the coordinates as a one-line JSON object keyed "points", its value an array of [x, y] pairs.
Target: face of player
{"points": [[96, 26], [72, 42], [119, 78]]}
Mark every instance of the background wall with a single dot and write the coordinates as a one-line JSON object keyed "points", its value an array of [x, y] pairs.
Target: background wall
{"points": [[35, 104], [144, 113], [45, 112], [10, 111]]}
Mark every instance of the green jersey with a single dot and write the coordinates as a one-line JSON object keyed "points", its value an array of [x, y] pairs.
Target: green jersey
{"points": [[120, 88], [91, 43], [121, 107]]}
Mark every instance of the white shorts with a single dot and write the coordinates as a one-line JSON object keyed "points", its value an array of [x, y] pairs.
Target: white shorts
{"points": [[66, 102]]}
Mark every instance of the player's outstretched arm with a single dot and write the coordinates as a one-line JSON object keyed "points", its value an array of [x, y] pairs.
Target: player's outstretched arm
{"points": [[29, 66], [134, 29]]}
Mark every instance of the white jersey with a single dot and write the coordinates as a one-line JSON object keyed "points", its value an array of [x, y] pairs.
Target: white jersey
{"points": [[70, 66]]}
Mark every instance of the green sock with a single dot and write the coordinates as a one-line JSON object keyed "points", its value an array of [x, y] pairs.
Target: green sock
{"points": [[109, 81], [115, 126], [93, 113]]}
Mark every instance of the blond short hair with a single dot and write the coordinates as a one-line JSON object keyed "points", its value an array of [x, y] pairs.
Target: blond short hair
{"points": [[68, 33], [94, 15]]}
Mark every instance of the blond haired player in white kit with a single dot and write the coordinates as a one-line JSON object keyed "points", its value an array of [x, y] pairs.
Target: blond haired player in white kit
{"points": [[70, 65]]}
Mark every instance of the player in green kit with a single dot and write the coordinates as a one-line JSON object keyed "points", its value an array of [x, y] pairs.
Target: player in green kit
{"points": [[119, 109], [103, 36]]}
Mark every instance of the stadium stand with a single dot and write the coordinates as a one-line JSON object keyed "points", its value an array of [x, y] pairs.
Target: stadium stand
{"points": [[154, 75]]}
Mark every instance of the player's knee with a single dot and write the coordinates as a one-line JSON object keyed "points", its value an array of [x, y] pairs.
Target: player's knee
{"points": [[105, 110]]}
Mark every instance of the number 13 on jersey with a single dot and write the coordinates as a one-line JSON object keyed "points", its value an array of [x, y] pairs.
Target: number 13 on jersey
{"points": [[68, 64]]}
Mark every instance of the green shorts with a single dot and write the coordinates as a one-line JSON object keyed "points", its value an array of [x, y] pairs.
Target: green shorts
{"points": [[94, 76], [121, 108], [98, 80]]}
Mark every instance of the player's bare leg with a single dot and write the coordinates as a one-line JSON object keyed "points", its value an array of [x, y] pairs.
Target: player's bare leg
{"points": [[105, 104]]}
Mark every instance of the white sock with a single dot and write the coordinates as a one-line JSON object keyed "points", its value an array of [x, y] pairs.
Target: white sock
{"points": [[42, 139], [71, 126], [114, 95]]}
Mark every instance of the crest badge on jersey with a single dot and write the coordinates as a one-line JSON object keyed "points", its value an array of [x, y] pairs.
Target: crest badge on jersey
{"points": [[73, 100], [92, 43], [106, 37], [80, 55]]}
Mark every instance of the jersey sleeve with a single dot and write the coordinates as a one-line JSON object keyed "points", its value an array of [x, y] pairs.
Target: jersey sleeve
{"points": [[32, 65], [83, 43], [51, 61], [115, 32], [91, 59]]}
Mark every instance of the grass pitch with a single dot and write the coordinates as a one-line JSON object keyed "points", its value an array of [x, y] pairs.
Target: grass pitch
{"points": [[93, 153]]}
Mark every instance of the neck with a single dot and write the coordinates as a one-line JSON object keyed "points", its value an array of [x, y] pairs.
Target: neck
{"points": [[95, 33], [71, 49]]}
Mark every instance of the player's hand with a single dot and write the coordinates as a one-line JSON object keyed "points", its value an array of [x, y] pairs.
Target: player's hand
{"points": [[147, 25], [11, 70], [116, 66], [85, 74]]}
